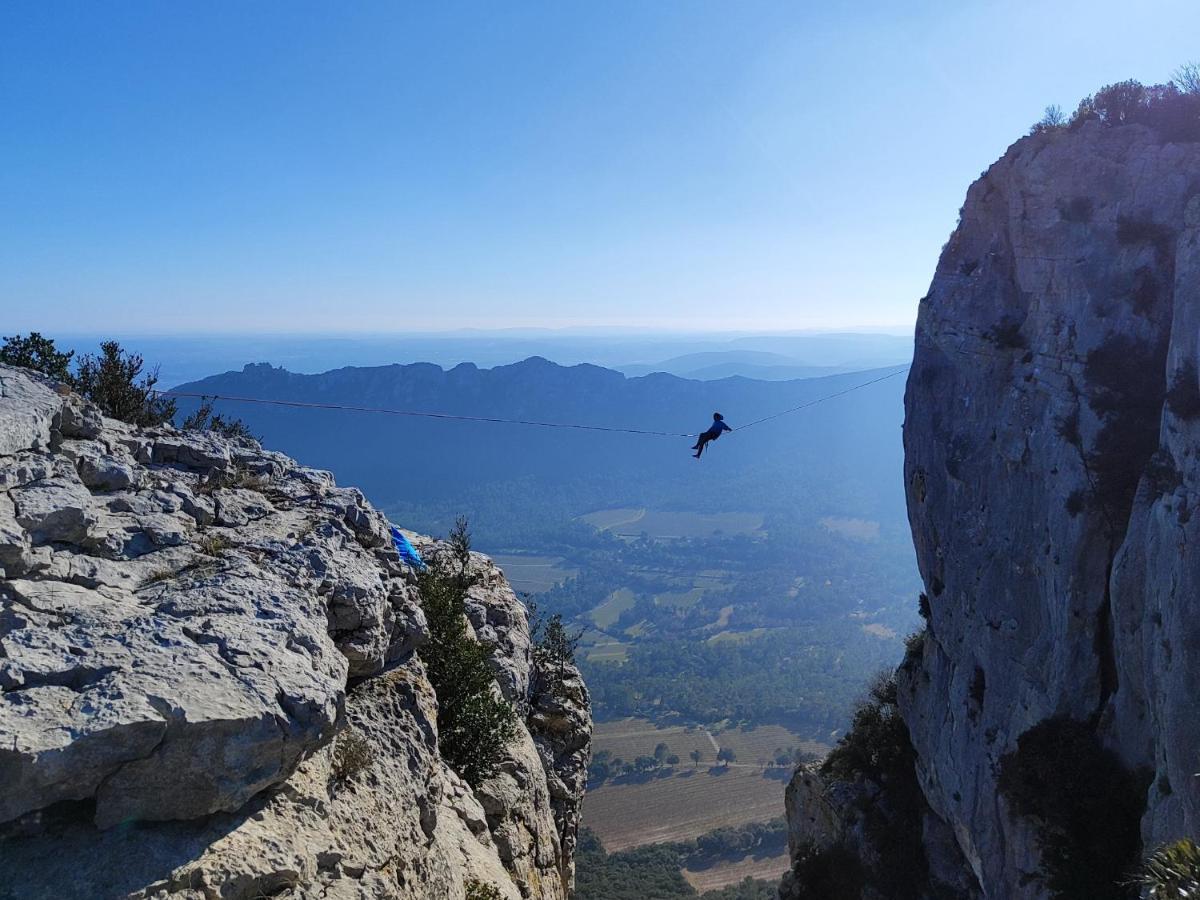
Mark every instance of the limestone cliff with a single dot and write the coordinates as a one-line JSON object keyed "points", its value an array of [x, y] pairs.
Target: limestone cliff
{"points": [[1052, 426], [212, 684]]}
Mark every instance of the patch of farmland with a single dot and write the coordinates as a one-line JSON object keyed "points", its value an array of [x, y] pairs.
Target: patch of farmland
{"points": [[679, 599], [854, 529], [681, 806], [758, 745], [767, 868], [597, 646], [661, 524], [606, 614], [533, 574], [608, 519], [631, 738]]}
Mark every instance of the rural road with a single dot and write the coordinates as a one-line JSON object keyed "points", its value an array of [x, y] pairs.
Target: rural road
{"points": [[712, 740]]}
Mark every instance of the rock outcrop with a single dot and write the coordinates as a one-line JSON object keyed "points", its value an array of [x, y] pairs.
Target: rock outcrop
{"points": [[212, 686], [1052, 426]]}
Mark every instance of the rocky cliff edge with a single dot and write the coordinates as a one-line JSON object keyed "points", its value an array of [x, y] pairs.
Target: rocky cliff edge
{"points": [[212, 685]]}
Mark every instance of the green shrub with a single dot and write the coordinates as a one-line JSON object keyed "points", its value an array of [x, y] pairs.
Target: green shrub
{"points": [[37, 353], [475, 724], [877, 744], [1172, 872], [115, 382], [1172, 110], [1085, 805], [477, 890], [204, 419]]}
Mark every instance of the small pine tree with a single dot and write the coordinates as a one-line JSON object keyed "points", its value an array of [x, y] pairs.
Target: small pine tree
{"points": [[554, 648], [111, 381], [38, 353], [475, 724], [204, 419]]}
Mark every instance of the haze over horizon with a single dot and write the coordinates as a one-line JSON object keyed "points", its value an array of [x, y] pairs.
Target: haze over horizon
{"points": [[307, 168]]}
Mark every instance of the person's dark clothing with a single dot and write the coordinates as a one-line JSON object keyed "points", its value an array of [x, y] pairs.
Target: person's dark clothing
{"points": [[712, 434]]}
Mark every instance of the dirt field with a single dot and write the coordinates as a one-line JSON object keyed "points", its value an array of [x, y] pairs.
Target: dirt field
{"points": [[770, 868], [681, 806]]}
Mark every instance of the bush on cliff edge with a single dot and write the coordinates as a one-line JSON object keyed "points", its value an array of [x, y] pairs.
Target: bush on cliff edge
{"points": [[475, 724]]}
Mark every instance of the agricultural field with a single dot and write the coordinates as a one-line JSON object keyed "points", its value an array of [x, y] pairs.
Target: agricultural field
{"points": [[767, 868], [854, 529], [759, 745], [606, 614], [631, 738], [681, 806], [691, 800], [533, 574], [664, 525], [596, 646]]}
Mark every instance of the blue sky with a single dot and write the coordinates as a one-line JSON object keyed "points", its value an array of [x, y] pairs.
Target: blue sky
{"points": [[375, 167]]}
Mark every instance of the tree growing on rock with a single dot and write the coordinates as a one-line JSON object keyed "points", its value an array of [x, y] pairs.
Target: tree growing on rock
{"points": [[554, 647], [475, 724], [115, 381]]}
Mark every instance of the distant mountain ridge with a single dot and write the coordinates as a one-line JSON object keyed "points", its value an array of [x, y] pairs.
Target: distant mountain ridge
{"points": [[383, 453]]}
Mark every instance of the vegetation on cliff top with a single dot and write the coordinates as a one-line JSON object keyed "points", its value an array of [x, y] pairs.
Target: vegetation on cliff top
{"points": [[1171, 109]]}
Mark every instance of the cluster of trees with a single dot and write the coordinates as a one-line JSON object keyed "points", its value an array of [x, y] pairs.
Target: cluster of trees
{"points": [[605, 766], [1172, 109], [115, 380], [655, 870]]}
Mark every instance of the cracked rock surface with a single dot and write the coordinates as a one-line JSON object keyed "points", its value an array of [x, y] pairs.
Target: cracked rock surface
{"points": [[1052, 481], [193, 630]]}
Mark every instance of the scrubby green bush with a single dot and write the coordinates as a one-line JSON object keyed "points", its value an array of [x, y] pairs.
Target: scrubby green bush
{"points": [[877, 746], [38, 353], [1172, 110], [475, 724], [1085, 805], [477, 890], [204, 419], [115, 381]]}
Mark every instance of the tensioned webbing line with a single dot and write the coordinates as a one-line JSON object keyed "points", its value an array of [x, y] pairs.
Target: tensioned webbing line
{"points": [[301, 404]]}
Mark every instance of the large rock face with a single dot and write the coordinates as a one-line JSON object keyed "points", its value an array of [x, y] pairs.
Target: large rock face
{"points": [[1052, 425], [212, 686]]}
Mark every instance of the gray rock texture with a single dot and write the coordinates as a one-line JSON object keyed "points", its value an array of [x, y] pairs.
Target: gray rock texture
{"points": [[1051, 481], [212, 687], [1052, 426]]}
